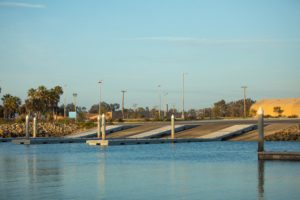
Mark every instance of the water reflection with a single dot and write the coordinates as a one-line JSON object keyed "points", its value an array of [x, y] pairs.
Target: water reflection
{"points": [[31, 174], [261, 179], [101, 172]]}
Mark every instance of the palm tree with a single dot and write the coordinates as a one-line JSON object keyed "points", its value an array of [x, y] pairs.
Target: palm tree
{"points": [[42, 100], [10, 104]]}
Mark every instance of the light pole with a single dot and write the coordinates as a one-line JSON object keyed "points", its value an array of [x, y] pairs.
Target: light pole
{"points": [[159, 91], [183, 77], [166, 104], [65, 101], [100, 97], [74, 96], [245, 114], [123, 91]]}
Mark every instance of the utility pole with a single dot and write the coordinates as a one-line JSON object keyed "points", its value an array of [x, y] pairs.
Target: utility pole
{"points": [[159, 90], [135, 110], [245, 114], [100, 97], [182, 115], [123, 91], [75, 110], [166, 104], [65, 101]]}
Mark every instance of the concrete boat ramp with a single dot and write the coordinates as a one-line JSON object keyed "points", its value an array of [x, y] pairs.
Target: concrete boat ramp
{"points": [[93, 132], [148, 137], [229, 132], [166, 130]]}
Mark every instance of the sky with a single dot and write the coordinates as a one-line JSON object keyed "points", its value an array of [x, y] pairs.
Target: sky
{"points": [[136, 45]]}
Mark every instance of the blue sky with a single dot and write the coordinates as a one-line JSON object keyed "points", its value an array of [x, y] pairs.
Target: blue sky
{"points": [[137, 45]]}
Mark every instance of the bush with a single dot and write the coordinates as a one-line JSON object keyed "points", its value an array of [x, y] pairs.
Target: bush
{"points": [[293, 116]]}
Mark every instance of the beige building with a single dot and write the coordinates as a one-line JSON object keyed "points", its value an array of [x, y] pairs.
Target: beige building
{"points": [[289, 107]]}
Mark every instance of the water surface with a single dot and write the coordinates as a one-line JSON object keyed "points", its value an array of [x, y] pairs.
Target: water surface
{"points": [[213, 170]]}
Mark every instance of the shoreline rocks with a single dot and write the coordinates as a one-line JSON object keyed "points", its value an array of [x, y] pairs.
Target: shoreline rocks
{"points": [[45, 129], [289, 134]]}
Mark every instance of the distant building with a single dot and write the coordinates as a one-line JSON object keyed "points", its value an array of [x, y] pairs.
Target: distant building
{"points": [[94, 117], [287, 107]]}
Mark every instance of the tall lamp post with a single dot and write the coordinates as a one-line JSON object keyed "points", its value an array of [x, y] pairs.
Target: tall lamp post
{"points": [[245, 111], [65, 101], [159, 91], [75, 110], [166, 104], [123, 94], [100, 82], [183, 77]]}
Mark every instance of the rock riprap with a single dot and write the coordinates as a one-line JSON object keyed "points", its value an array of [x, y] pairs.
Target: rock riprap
{"points": [[45, 129], [289, 134]]}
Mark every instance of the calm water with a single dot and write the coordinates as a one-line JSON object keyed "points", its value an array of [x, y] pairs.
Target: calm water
{"points": [[217, 170]]}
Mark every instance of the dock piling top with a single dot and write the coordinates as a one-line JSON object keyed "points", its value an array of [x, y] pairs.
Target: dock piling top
{"points": [[260, 114], [99, 126], [27, 126], [103, 127], [34, 127], [172, 127], [260, 111]]}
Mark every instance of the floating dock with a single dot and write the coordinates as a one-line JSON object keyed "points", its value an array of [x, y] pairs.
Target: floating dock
{"points": [[288, 156], [48, 140], [5, 140], [96, 141], [229, 132], [143, 141]]}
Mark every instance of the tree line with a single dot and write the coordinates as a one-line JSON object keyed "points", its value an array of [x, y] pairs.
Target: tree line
{"points": [[43, 102]]}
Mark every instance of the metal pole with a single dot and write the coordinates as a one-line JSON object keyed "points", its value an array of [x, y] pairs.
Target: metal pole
{"points": [[34, 127], [27, 127], [65, 101], [182, 115], [123, 91], [245, 111], [172, 127], [159, 91], [103, 127], [100, 97], [260, 114], [166, 104], [99, 126], [75, 110]]}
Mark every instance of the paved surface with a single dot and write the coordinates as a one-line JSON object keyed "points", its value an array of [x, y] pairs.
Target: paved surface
{"points": [[158, 132], [232, 130], [134, 131], [225, 121], [200, 130], [269, 130], [93, 132]]}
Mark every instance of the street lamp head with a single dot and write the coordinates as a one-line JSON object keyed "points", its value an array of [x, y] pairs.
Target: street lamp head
{"points": [[75, 94], [100, 81]]}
